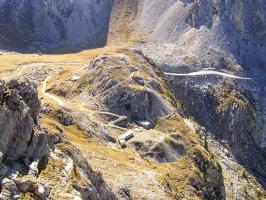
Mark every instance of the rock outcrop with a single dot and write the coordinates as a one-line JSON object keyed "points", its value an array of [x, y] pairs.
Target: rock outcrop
{"points": [[20, 136], [34, 163], [228, 113], [127, 85], [23, 142]]}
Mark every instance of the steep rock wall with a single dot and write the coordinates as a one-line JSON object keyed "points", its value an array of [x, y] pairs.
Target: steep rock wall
{"points": [[53, 24], [19, 117]]}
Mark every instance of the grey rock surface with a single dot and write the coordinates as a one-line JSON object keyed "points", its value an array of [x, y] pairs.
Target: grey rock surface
{"points": [[228, 113], [19, 120], [46, 24], [22, 140], [109, 81], [235, 28]]}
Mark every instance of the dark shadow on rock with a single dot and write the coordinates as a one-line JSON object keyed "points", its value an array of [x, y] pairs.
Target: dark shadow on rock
{"points": [[42, 164], [28, 26]]}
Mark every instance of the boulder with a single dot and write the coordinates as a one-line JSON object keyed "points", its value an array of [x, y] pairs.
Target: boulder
{"points": [[75, 78], [144, 124]]}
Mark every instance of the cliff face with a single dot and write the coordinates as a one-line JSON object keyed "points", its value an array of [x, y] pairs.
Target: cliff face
{"points": [[228, 114], [53, 24], [247, 17]]}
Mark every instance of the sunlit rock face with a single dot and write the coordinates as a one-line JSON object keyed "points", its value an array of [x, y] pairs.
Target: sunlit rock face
{"points": [[246, 17], [53, 23], [237, 27]]}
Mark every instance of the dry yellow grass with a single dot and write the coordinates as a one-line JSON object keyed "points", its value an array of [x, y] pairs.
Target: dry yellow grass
{"points": [[127, 166], [10, 60], [116, 165]]}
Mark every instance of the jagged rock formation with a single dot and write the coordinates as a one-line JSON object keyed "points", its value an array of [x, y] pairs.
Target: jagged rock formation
{"points": [[22, 141], [20, 137], [45, 24], [229, 114], [30, 165]]}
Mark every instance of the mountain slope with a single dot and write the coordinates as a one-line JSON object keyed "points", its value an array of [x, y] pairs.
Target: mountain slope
{"points": [[172, 108], [224, 37]]}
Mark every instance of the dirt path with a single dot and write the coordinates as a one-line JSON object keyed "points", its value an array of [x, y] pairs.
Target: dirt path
{"points": [[54, 98], [206, 72], [80, 107], [59, 101], [23, 67]]}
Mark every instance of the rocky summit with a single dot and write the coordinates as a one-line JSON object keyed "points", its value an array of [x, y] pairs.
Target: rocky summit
{"points": [[132, 99]]}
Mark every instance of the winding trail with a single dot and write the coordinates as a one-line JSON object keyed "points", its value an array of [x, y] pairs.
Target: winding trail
{"points": [[61, 102], [22, 67], [88, 112], [206, 72], [56, 99]]}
